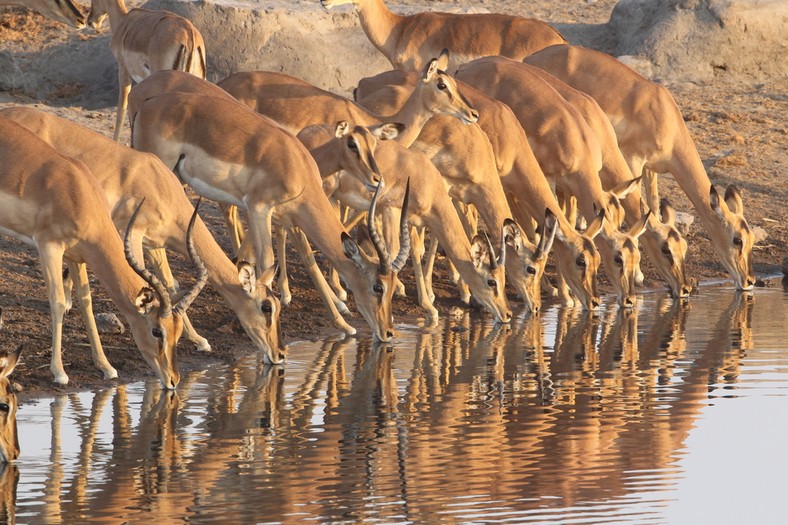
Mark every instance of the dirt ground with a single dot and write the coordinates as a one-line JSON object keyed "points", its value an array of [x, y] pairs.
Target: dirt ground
{"points": [[740, 129]]}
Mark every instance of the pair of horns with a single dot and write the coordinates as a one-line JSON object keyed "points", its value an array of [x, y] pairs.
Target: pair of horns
{"points": [[386, 265], [165, 301]]}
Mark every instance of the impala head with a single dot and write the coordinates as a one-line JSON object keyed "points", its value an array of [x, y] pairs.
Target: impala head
{"points": [[377, 275], [98, 13], [159, 326], [621, 255], [357, 151], [439, 92], [489, 281], [527, 262], [579, 260], [259, 313], [734, 241], [61, 10], [669, 263], [9, 442]]}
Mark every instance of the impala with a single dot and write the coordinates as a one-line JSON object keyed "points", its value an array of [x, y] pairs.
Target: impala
{"points": [[296, 104], [127, 177], [654, 139], [569, 155], [61, 10], [527, 191], [145, 41], [9, 441], [76, 225], [408, 42], [664, 244], [228, 153], [431, 208]]}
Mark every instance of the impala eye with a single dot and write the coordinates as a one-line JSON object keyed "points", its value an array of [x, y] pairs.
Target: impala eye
{"points": [[4, 407], [666, 249], [266, 308], [531, 270], [377, 288], [492, 283], [157, 333], [352, 146], [618, 260], [738, 242], [581, 262], [442, 86]]}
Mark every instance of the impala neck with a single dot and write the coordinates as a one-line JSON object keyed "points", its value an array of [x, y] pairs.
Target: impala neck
{"points": [[695, 182], [379, 23], [106, 260], [413, 115], [116, 10], [445, 224], [319, 222], [326, 158]]}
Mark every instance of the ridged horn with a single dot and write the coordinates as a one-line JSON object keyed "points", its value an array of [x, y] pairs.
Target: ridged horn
{"points": [[404, 234], [165, 305], [202, 273], [377, 242], [493, 261]]}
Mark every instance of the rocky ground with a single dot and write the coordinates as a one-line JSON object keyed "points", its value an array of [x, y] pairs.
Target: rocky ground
{"points": [[739, 124]]}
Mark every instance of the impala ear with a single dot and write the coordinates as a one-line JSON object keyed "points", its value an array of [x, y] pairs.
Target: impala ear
{"points": [[246, 276], [718, 206], [352, 250], [8, 361], [479, 251], [666, 213], [596, 225], [443, 60], [639, 227], [625, 188], [387, 131], [146, 301], [512, 234], [733, 200], [430, 70], [342, 129]]}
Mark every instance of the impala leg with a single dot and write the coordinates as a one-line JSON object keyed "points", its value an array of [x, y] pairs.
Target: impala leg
{"points": [[650, 182], [432, 252], [333, 276], [262, 241], [124, 87], [281, 256], [234, 225], [51, 266], [157, 257], [326, 294], [416, 253], [82, 287], [564, 293], [390, 220]]}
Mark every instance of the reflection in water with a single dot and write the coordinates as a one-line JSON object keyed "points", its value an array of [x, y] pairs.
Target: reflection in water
{"points": [[569, 416]]}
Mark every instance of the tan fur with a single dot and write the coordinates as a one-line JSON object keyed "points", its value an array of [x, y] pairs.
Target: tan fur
{"points": [[231, 154], [652, 136], [296, 104], [145, 41], [408, 42], [127, 177], [76, 227], [9, 439], [567, 151]]}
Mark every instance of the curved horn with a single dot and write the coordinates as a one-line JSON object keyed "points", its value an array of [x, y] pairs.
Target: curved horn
{"points": [[493, 261], [502, 255], [377, 242], [164, 297], [202, 272], [404, 235]]}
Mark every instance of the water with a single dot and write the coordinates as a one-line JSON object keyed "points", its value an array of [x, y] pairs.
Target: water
{"points": [[674, 413]]}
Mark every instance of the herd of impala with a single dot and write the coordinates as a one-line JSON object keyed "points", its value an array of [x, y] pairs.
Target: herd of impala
{"points": [[530, 135]]}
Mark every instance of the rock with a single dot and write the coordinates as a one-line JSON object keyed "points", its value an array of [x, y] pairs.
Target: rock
{"points": [[699, 39], [683, 222], [108, 323], [641, 64], [759, 233]]}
